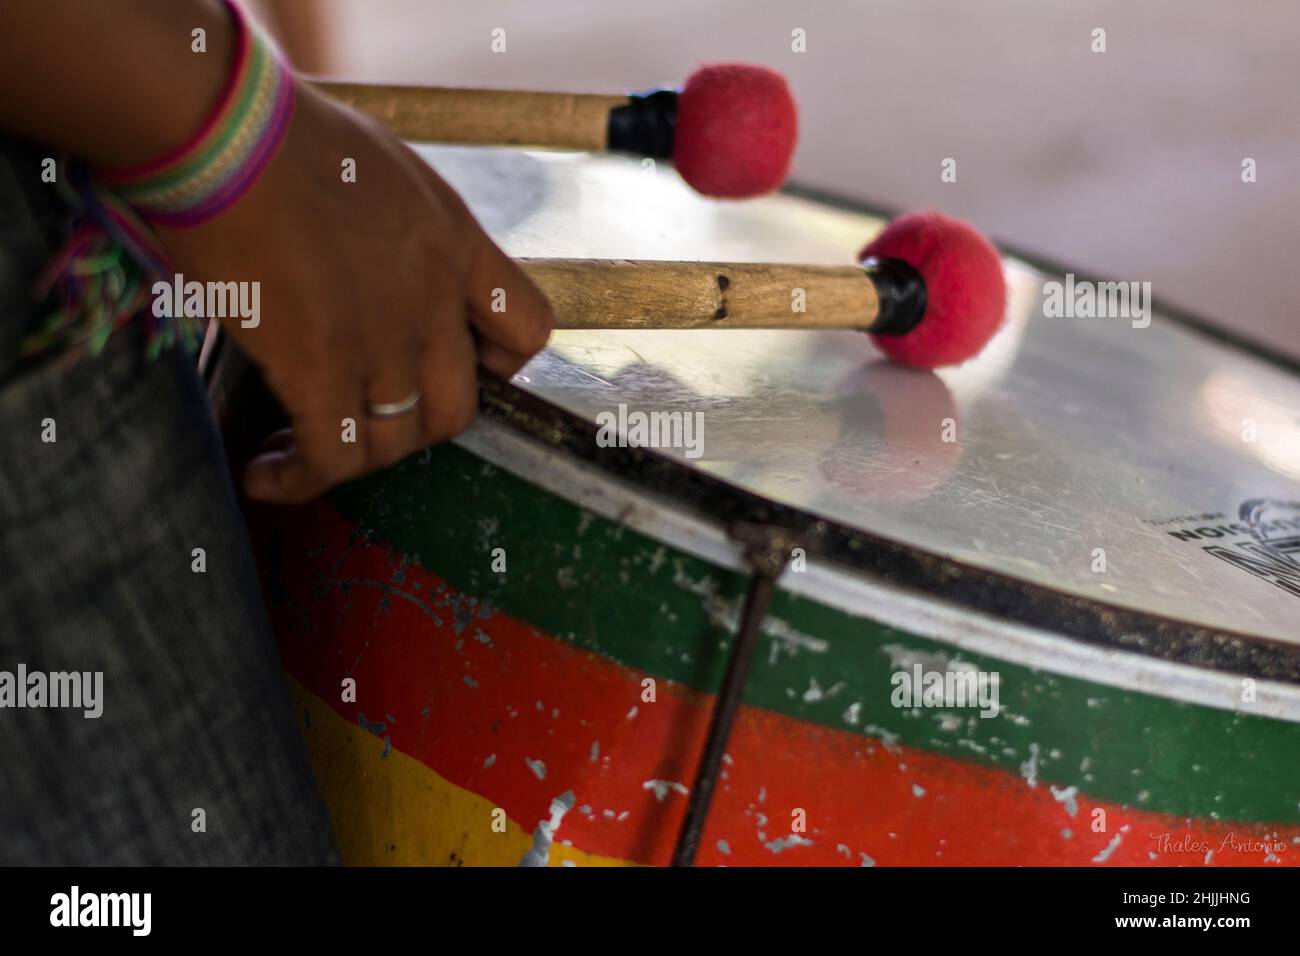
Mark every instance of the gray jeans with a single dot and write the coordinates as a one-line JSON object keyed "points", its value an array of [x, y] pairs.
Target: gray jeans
{"points": [[196, 757]]}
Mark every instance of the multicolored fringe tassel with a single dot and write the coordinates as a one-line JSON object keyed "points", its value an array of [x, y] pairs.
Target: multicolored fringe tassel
{"points": [[222, 161], [102, 276]]}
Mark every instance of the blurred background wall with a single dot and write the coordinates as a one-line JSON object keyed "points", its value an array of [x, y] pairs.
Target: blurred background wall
{"points": [[1126, 163]]}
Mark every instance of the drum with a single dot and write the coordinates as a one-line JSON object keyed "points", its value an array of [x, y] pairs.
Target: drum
{"points": [[1036, 610]]}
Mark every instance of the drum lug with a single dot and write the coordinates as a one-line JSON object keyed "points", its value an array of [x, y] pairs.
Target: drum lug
{"points": [[767, 548]]}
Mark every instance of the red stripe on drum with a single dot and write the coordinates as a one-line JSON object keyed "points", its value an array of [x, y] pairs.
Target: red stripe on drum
{"points": [[508, 712]]}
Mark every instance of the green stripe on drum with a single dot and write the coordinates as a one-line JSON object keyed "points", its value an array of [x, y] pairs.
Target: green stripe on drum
{"points": [[615, 592]]}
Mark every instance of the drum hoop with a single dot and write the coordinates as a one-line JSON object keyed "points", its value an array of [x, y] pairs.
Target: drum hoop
{"points": [[992, 592]]}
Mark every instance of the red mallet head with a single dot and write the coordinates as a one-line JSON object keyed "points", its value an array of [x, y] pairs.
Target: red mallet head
{"points": [[965, 294], [736, 130]]}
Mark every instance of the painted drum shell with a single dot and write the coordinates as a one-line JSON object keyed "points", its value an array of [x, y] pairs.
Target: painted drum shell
{"points": [[1125, 733]]}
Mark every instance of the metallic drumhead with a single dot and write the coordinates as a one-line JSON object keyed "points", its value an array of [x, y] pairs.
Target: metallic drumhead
{"points": [[1142, 466]]}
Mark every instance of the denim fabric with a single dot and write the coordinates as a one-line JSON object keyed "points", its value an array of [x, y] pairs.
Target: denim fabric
{"points": [[97, 531]]}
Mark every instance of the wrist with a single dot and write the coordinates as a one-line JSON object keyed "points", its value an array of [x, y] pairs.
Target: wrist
{"points": [[169, 102], [220, 161]]}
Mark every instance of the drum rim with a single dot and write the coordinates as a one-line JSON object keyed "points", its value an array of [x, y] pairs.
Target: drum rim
{"points": [[1001, 595]]}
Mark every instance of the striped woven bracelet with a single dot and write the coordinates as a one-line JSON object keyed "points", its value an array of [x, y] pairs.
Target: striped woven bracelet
{"points": [[221, 162], [100, 279]]}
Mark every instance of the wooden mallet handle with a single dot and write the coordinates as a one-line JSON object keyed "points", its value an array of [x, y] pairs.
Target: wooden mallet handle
{"points": [[884, 296], [486, 117]]}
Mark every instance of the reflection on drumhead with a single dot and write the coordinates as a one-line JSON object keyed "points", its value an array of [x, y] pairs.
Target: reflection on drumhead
{"points": [[899, 437]]}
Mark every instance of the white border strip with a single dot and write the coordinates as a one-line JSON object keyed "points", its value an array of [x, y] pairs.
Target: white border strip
{"points": [[924, 615]]}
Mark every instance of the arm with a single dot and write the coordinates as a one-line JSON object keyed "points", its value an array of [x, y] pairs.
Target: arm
{"points": [[370, 290], [113, 83]]}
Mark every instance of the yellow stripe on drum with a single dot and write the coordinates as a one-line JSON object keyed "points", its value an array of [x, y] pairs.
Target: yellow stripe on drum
{"points": [[389, 809]]}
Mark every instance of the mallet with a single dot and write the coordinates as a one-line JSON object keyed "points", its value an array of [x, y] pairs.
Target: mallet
{"points": [[929, 290], [730, 131]]}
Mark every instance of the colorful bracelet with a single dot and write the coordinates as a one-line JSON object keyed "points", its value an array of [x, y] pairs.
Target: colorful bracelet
{"points": [[222, 161], [101, 277]]}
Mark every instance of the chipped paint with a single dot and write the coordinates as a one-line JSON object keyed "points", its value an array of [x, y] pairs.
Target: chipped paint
{"points": [[662, 788], [786, 843], [949, 722], [1065, 744], [724, 613], [1112, 846], [1067, 796], [815, 693], [1029, 769], [487, 533], [906, 658], [887, 737], [544, 834]]}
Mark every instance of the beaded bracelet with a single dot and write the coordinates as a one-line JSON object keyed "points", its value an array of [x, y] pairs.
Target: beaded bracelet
{"points": [[100, 278]]}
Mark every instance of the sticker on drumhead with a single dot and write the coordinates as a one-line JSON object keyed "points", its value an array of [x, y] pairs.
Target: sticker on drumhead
{"points": [[1273, 552], [1275, 525], [1264, 540]]}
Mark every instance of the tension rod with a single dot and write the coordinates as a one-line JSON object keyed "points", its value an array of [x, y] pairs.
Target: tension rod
{"points": [[767, 551]]}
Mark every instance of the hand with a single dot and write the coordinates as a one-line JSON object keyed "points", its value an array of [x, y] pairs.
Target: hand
{"points": [[370, 291]]}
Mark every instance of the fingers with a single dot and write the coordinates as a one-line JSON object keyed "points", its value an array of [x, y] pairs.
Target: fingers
{"points": [[392, 438], [511, 317], [335, 436], [281, 440], [449, 383], [445, 286], [332, 442], [506, 307], [510, 314], [329, 444], [499, 361]]}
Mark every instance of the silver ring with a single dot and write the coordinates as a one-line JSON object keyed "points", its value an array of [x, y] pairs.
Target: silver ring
{"points": [[393, 409]]}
